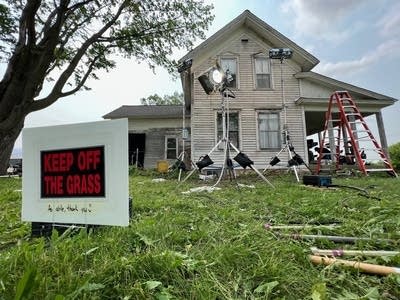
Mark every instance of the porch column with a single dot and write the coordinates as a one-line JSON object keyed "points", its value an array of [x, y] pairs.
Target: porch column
{"points": [[382, 134]]}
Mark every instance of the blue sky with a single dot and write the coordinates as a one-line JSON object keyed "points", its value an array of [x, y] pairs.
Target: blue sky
{"points": [[357, 42]]}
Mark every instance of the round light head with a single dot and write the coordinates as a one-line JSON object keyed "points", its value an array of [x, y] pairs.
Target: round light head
{"points": [[216, 75]]}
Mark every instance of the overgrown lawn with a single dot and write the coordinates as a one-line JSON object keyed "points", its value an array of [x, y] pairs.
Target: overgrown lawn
{"points": [[208, 245]]}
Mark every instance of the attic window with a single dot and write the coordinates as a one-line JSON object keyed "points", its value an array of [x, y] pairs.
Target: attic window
{"points": [[244, 40]]}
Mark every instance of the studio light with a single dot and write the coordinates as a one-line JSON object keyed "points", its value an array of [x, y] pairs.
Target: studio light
{"points": [[205, 161], [280, 53], [186, 64], [243, 160], [212, 79]]}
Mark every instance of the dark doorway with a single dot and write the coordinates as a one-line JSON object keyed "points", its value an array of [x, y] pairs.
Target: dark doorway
{"points": [[136, 149]]}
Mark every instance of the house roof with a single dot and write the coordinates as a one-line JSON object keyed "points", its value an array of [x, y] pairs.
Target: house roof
{"points": [[248, 20], [145, 111], [340, 85]]}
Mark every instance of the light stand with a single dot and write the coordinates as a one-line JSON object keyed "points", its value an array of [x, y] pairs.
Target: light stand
{"points": [[294, 159], [180, 161], [241, 158]]}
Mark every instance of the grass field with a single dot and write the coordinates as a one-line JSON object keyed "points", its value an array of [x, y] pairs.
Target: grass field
{"points": [[208, 245]]}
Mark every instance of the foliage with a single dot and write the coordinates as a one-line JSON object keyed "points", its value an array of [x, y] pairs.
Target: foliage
{"points": [[206, 245], [394, 152], [62, 44], [174, 99]]}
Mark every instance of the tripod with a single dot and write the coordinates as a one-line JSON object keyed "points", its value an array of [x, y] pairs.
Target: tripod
{"points": [[294, 160], [227, 166]]}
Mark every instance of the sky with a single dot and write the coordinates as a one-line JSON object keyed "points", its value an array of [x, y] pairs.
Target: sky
{"points": [[357, 42]]}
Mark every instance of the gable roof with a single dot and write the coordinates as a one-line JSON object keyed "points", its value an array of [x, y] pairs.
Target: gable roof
{"points": [[248, 20], [146, 111]]}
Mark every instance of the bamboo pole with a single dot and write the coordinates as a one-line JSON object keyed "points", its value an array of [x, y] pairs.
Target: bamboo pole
{"points": [[300, 226], [342, 252], [364, 267], [335, 238]]}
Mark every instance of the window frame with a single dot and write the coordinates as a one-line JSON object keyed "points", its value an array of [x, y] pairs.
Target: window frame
{"points": [[167, 137], [278, 131], [262, 56], [217, 131], [233, 57]]}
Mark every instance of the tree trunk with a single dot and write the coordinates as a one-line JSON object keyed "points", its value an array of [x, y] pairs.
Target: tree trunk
{"points": [[7, 141]]}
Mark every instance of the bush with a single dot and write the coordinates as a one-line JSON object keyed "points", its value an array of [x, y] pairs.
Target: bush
{"points": [[394, 152]]}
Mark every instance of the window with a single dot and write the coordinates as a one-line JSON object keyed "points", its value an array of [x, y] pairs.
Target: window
{"points": [[229, 64], [233, 128], [171, 149], [262, 73], [268, 130]]}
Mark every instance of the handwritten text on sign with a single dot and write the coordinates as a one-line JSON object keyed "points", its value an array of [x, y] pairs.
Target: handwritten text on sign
{"points": [[77, 172]]}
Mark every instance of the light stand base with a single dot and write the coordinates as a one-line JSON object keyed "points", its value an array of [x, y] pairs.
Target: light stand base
{"points": [[226, 167], [288, 148]]}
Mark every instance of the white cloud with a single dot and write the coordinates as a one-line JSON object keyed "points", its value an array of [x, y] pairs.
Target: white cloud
{"points": [[321, 19], [389, 24], [386, 50]]}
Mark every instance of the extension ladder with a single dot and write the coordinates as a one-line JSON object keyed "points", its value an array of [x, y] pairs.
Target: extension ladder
{"points": [[346, 129]]}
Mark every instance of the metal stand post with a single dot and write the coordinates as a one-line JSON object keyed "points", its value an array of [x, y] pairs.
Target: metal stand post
{"points": [[288, 145], [227, 162]]}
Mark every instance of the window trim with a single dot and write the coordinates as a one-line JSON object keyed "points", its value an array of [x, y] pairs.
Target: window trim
{"points": [[268, 111], [255, 74], [236, 58], [166, 146], [217, 112]]}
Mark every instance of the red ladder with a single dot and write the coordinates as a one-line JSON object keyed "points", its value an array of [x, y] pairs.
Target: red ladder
{"points": [[349, 130]]}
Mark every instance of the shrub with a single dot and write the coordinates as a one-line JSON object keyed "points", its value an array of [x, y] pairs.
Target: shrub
{"points": [[394, 152]]}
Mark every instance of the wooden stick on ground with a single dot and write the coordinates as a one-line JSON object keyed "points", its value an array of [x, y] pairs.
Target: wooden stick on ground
{"points": [[343, 252], [364, 267]]}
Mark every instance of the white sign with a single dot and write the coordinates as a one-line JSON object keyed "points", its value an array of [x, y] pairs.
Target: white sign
{"points": [[76, 174]]}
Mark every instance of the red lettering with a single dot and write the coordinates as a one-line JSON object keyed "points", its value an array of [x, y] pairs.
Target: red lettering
{"points": [[65, 161], [81, 161], [96, 158], [84, 184], [90, 184], [70, 185], [97, 184], [53, 185], [83, 189], [47, 162], [88, 159], [58, 162]]}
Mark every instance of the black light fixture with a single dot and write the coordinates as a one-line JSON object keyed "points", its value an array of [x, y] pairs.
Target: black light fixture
{"points": [[186, 64], [205, 161], [243, 160], [280, 53], [212, 79]]}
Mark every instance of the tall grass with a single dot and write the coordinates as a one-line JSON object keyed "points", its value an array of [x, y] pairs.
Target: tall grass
{"points": [[206, 245]]}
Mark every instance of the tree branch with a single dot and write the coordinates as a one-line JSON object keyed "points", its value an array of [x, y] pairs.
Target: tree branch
{"points": [[56, 92]]}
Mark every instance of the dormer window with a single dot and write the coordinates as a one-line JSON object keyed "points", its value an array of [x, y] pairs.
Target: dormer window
{"points": [[262, 71], [230, 64]]}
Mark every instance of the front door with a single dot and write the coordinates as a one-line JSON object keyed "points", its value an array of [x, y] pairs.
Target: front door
{"points": [[136, 149]]}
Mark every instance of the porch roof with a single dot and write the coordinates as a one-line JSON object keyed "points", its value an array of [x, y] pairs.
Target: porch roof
{"points": [[145, 112]]}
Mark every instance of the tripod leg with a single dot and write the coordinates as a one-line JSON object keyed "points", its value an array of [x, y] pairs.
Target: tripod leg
{"points": [[254, 169], [262, 176], [188, 175], [289, 149], [276, 155]]}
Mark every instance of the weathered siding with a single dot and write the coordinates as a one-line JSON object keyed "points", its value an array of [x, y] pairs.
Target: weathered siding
{"points": [[155, 131], [247, 102]]}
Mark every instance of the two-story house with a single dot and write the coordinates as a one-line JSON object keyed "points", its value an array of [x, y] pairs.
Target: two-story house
{"points": [[263, 87]]}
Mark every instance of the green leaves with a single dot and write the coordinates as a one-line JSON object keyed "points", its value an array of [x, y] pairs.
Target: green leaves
{"points": [[25, 285]]}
